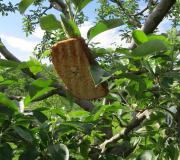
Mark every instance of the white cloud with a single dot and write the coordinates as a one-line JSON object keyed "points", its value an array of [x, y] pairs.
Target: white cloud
{"points": [[85, 27], [106, 39], [38, 33], [19, 43], [109, 38]]}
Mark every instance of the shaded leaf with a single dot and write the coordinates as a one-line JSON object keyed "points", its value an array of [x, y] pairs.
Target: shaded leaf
{"points": [[148, 48], [58, 151], [29, 154], [41, 117], [6, 152], [158, 37], [98, 74], [8, 63], [42, 92], [7, 102], [24, 133]]}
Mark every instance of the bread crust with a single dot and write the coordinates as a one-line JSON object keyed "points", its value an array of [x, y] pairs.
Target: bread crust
{"points": [[72, 59]]}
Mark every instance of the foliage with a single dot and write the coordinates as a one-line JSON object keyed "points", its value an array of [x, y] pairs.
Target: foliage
{"points": [[139, 116]]}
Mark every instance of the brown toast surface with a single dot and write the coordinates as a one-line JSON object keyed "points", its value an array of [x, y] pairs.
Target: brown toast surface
{"points": [[72, 59]]}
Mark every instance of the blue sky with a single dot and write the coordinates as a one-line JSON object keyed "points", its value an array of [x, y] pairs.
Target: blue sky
{"points": [[14, 38]]}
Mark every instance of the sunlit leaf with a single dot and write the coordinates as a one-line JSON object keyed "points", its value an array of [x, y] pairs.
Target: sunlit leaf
{"points": [[139, 37], [103, 26], [34, 66], [42, 83], [1, 78], [49, 22], [70, 27]]}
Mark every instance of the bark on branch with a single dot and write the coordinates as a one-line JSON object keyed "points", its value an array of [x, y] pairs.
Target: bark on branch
{"points": [[132, 125], [157, 15]]}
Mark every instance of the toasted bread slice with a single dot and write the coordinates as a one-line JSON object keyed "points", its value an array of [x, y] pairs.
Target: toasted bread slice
{"points": [[72, 59]]}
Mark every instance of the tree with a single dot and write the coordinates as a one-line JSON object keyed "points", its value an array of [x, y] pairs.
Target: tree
{"points": [[140, 116]]}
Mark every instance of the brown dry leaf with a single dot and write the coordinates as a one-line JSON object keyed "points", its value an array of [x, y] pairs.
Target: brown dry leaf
{"points": [[72, 60]]}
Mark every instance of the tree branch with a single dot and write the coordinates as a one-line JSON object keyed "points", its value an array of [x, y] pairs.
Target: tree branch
{"points": [[157, 15], [133, 124], [8, 55], [60, 6], [60, 90], [131, 20]]}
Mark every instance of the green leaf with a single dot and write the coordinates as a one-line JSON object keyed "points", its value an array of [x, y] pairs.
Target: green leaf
{"points": [[7, 102], [6, 152], [8, 63], [59, 112], [7, 82], [42, 83], [27, 100], [44, 134], [101, 52], [98, 74], [34, 66], [139, 37], [100, 112], [158, 37], [70, 27], [36, 89], [1, 44], [30, 152], [80, 4], [148, 48], [1, 78], [147, 155], [24, 4], [41, 117], [49, 23], [46, 54], [24, 133], [58, 151], [103, 26], [78, 114], [42, 92]]}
